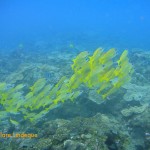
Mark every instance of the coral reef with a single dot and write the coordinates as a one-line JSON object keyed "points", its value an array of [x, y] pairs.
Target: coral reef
{"points": [[127, 112], [96, 71], [137, 93], [98, 132], [122, 121]]}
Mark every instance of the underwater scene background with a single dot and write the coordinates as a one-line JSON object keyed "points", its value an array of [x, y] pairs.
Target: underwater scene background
{"points": [[74, 75]]}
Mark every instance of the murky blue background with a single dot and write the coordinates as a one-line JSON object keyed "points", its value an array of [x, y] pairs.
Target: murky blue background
{"points": [[123, 24]]}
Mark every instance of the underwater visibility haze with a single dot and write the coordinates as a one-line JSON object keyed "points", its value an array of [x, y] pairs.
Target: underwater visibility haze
{"points": [[74, 75]]}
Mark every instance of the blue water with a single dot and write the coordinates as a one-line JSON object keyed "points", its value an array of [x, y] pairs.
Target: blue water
{"points": [[123, 24], [55, 31]]}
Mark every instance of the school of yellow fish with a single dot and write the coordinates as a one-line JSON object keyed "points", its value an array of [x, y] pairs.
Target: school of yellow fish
{"points": [[99, 71]]}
